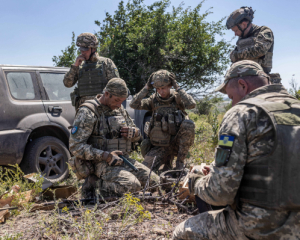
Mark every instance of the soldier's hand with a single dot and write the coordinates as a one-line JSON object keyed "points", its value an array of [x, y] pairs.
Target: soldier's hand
{"points": [[129, 132], [124, 131], [113, 158], [79, 60], [174, 83], [149, 85], [206, 170]]}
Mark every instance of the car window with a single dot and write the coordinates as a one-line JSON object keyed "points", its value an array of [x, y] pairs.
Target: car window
{"points": [[54, 86], [20, 85]]}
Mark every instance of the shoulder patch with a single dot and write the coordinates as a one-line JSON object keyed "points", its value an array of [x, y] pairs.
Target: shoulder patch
{"points": [[74, 129], [226, 141]]}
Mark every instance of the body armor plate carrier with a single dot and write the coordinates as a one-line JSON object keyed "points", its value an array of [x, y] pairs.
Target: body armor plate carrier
{"points": [[92, 79], [273, 181], [109, 137]]}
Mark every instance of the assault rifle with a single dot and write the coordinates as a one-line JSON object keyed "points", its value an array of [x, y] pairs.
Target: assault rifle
{"points": [[129, 164]]}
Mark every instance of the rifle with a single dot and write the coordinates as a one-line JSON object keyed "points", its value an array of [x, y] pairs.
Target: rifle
{"points": [[129, 164]]}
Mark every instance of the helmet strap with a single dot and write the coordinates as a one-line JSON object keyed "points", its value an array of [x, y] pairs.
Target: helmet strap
{"points": [[92, 53], [243, 31]]}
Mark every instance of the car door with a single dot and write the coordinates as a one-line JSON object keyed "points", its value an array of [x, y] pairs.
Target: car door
{"points": [[56, 97]]}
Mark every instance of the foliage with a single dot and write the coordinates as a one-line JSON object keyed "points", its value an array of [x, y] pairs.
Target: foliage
{"points": [[204, 105], [294, 90], [142, 39], [68, 56]]}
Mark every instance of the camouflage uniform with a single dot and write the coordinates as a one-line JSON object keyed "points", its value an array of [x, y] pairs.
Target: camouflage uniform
{"points": [[254, 137], [183, 138], [111, 180], [107, 71], [257, 45]]}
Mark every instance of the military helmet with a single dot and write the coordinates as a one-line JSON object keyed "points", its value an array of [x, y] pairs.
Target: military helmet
{"points": [[117, 87], [161, 78], [242, 69], [86, 41], [238, 15]]}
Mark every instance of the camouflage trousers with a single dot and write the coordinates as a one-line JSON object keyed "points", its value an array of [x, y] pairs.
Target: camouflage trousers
{"points": [[249, 222], [117, 180], [179, 147]]}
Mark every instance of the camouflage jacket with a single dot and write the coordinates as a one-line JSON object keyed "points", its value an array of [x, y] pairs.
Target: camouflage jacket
{"points": [[264, 43], [254, 137], [86, 123], [138, 101], [110, 70]]}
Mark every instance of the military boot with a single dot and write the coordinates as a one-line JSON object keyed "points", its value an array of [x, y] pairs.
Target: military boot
{"points": [[88, 187]]}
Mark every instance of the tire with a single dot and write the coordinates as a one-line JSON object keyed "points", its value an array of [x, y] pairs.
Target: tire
{"points": [[47, 155]]}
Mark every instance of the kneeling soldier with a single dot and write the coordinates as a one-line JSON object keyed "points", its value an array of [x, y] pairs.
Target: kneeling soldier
{"points": [[170, 130], [102, 131]]}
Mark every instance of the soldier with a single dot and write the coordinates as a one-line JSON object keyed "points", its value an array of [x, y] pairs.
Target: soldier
{"points": [[170, 130], [255, 43], [255, 172], [91, 71], [102, 130]]}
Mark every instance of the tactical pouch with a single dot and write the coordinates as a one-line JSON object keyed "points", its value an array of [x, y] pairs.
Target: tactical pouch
{"points": [[172, 128], [178, 117], [121, 144], [164, 125], [74, 95], [81, 168], [116, 123]]}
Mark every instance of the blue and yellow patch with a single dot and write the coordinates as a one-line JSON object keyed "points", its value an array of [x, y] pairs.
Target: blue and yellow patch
{"points": [[226, 141]]}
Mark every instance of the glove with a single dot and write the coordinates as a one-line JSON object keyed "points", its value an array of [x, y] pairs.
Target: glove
{"points": [[149, 83], [233, 56], [112, 158], [174, 83], [192, 180]]}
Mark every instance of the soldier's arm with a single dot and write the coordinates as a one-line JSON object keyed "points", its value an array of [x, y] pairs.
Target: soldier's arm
{"points": [[71, 77], [244, 124], [138, 101], [110, 69], [187, 100], [263, 43], [82, 129]]}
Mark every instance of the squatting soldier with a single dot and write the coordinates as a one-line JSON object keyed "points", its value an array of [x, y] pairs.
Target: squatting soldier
{"points": [[255, 43], [256, 167], [102, 130], [171, 132], [91, 71]]}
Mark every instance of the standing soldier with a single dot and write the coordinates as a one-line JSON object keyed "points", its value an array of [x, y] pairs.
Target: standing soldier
{"points": [[256, 167], [91, 71], [102, 131], [255, 43], [170, 130]]}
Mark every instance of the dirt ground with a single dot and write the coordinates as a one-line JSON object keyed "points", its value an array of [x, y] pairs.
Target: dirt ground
{"points": [[35, 225]]}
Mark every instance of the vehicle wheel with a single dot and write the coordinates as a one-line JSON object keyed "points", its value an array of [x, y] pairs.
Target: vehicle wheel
{"points": [[47, 155]]}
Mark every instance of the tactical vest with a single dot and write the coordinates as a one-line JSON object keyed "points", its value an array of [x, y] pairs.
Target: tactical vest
{"points": [[167, 116], [92, 78], [273, 181], [244, 43], [108, 137]]}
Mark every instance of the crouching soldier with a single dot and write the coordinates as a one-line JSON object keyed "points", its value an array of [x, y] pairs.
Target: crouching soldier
{"points": [[170, 130], [102, 131]]}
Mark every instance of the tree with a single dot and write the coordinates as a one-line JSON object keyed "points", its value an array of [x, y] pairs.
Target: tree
{"points": [[142, 39], [294, 91], [68, 56]]}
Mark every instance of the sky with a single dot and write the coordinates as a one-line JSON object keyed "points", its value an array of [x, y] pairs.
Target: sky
{"points": [[33, 31]]}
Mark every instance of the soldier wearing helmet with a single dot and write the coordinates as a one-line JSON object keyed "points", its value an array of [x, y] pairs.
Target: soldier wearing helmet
{"points": [[255, 43], [102, 131], [255, 172], [170, 131], [90, 71]]}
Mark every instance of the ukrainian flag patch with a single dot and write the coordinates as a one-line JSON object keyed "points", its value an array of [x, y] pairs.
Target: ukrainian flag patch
{"points": [[226, 141]]}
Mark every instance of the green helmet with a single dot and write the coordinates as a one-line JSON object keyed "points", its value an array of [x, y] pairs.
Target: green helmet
{"points": [[117, 87], [238, 15], [86, 41], [161, 78]]}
